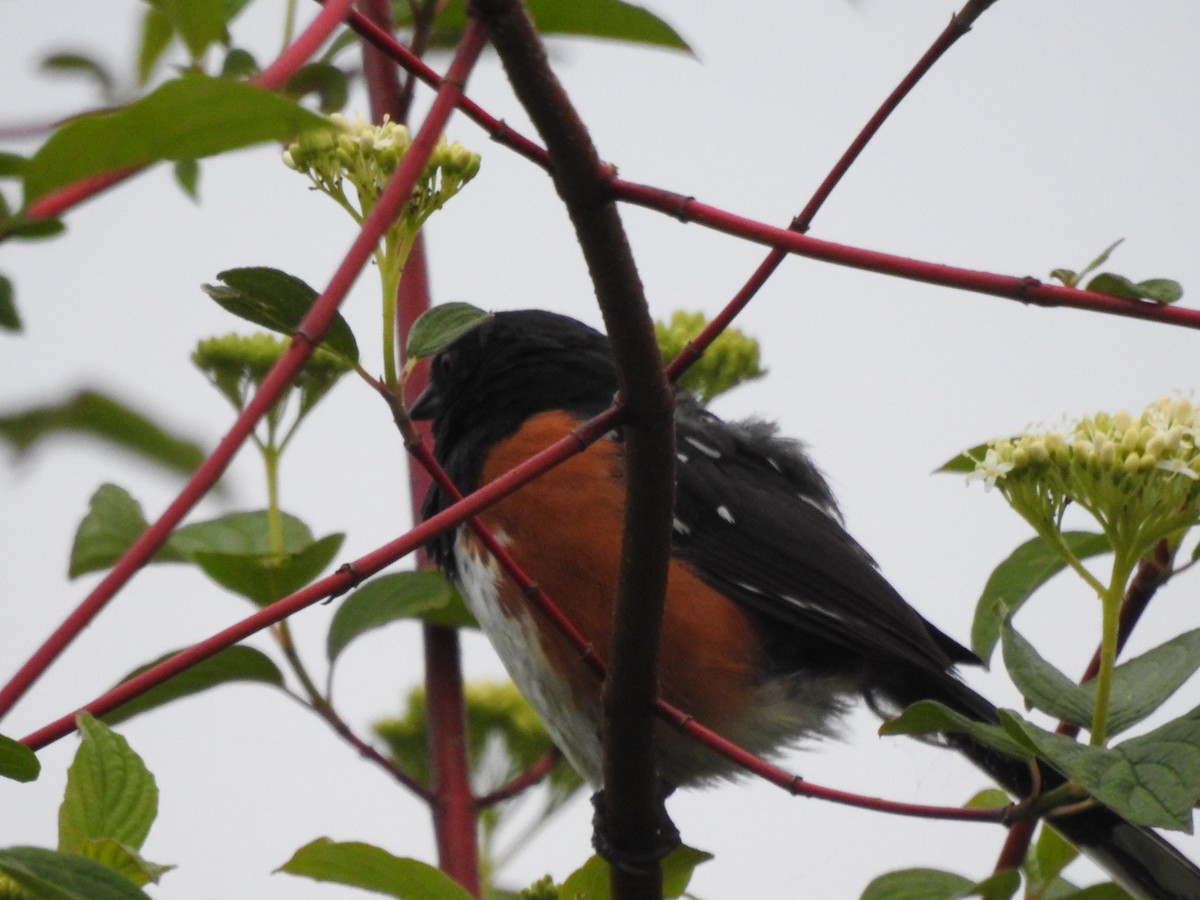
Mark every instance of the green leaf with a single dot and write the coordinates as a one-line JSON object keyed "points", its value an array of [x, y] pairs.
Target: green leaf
{"points": [[78, 64], [101, 416], [327, 82], [1101, 259], [963, 463], [1151, 780], [612, 19], [265, 578], [917, 884], [370, 868], [278, 301], [113, 522], [678, 867], [439, 327], [1066, 276], [1001, 885], [1140, 685], [122, 859], [1106, 891], [52, 875], [425, 595], [17, 761], [188, 118], [187, 176], [1013, 582], [200, 23], [1160, 290], [156, 37], [931, 717], [245, 533], [9, 319], [234, 664], [1053, 853], [1114, 285], [110, 792], [591, 881]]}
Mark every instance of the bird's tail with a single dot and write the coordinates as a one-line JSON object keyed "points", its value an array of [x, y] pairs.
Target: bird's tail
{"points": [[1136, 857]]}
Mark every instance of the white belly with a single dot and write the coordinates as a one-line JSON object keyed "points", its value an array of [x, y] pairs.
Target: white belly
{"points": [[515, 637]]}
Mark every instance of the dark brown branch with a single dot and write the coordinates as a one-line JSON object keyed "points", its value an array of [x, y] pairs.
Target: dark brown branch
{"points": [[632, 810]]}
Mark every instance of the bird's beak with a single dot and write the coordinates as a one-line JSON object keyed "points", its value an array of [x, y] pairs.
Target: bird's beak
{"points": [[427, 405]]}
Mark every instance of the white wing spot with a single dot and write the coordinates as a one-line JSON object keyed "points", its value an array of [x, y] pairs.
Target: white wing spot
{"points": [[814, 607], [749, 588], [680, 527], [774, 464], [703, 448], [724, 513], [682, 457]]}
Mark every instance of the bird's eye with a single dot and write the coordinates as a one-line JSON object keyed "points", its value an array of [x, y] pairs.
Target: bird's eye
{"points": [[443, 364]]}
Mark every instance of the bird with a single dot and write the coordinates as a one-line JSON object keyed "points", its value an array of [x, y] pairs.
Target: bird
{"points": [[776, 620]]}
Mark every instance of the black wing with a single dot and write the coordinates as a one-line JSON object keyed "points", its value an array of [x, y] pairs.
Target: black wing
{"points": [[756, 520]]}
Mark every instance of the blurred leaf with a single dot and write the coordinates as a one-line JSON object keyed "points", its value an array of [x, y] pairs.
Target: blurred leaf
{"points": [[12, 165], [23, 229], [156, 37], [1013, 582], [918, 884], [187, 176], [17, 761], [239, 64], [278, 301], [98, 415], [1107, 891], [930, 717], [611, 19], [1140, 685], [113, 854], [440, 326], [188, 118], [372, 869], [200, 23], [78, 64], [110, 792], [51, 875], [9, 319], [1066, 276], [234, 664], [988, 798], [425, 594], [1151, 780], [266, 578], [327, 82]]}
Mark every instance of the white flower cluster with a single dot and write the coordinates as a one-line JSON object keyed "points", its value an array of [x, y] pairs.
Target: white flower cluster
{"points": [[1139, 476], [366, 155]]}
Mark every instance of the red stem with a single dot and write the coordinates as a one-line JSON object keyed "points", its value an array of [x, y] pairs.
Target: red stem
{"points": [[311, 329]]}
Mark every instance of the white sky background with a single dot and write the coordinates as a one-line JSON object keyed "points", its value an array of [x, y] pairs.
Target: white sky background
{"points": [[1050, 131]]}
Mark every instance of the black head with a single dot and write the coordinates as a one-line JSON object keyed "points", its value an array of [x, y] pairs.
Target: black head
{"points": [[494, 377]]}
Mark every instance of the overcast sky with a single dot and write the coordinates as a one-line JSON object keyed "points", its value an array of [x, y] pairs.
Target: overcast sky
{"points": [[1050, 131]]}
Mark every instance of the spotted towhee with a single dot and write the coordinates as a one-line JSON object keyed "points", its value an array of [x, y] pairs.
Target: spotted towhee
{"points": [[776, 620]]}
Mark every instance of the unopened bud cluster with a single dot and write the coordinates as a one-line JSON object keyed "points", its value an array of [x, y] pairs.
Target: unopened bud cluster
{"points": [[237, 364], [367, 155], [730, 360], [1138, 475]]}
